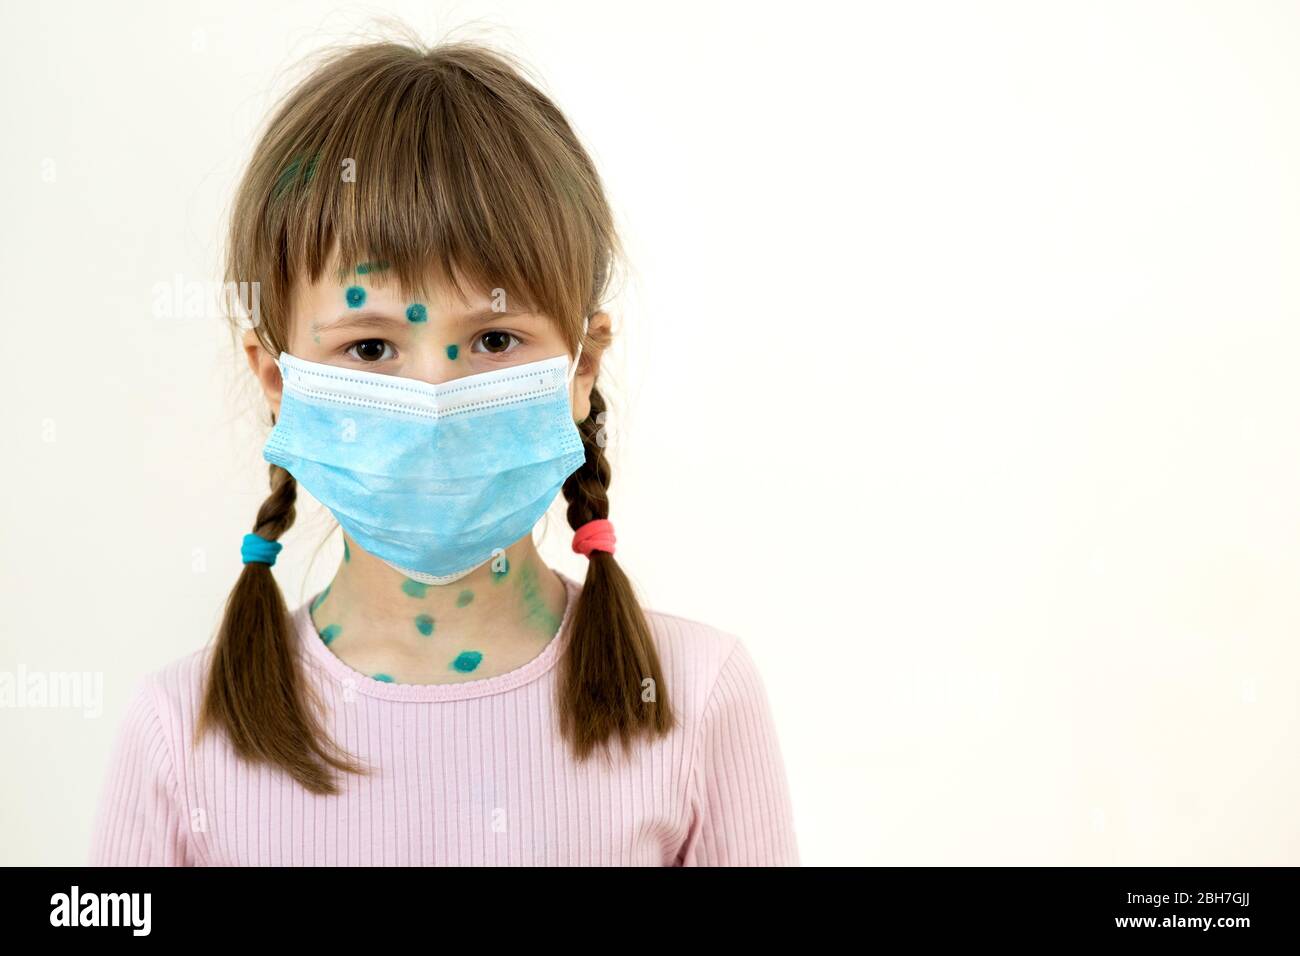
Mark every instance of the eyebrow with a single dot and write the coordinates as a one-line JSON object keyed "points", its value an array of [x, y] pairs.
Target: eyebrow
{"points": [[360, 320], [369, 318], [491, 313]]}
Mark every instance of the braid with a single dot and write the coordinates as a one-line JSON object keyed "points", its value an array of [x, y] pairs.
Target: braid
{"points": [[254, 691], [276, 515], [587, 489], [611, 659]]}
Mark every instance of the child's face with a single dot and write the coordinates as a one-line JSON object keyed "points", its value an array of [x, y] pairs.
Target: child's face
{"points": [[366, 323]]}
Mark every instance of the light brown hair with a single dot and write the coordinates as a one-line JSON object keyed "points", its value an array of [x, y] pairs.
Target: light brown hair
{"points": [[462, 165]]}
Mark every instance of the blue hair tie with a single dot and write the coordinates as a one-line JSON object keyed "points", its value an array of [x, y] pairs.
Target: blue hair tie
{"points": [[258, 550]]}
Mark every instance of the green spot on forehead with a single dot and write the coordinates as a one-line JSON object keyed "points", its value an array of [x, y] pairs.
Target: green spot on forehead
{"points": [[356, 297], [366, 268], [417, 313]]}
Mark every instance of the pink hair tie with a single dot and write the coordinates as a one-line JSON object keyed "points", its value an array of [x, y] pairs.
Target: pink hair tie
{"points": [[597, 535]]}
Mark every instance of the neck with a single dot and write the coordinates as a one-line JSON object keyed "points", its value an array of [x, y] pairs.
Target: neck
{"points": [[380, 621]]}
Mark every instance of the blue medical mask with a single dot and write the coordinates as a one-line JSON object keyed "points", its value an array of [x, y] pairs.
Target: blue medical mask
{"points": [[431, 479]]}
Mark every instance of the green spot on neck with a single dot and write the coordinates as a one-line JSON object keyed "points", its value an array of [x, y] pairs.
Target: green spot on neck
{"points": [[466, 661], [464, 597], [320, 598], [535, 610], [328, 634], [383, 677], [415, 588], [347, 552], [424, 624]]}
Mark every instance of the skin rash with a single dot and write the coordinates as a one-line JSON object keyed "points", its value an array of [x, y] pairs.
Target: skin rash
{"points": [[371, 616]]}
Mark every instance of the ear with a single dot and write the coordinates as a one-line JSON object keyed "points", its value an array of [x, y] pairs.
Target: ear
{"points": [[265, 369], [598, 335]]}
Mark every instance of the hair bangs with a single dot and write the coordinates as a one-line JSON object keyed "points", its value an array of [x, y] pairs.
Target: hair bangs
{"points": [[434, 169]]}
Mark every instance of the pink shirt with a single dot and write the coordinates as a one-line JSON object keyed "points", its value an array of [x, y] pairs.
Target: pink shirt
{"points": [[473, 773]]}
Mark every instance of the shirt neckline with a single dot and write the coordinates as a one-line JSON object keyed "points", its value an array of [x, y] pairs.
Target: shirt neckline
{"points": [[335, 666]]}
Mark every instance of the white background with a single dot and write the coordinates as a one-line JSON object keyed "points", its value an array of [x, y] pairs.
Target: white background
{"points": [[957, 376]]}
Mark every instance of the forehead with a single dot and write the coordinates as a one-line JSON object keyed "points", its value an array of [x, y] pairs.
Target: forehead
{"points": [[375, 281]]}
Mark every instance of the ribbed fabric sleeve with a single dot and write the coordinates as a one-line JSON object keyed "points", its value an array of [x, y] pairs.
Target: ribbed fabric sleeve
{"points": [[139, 821], [739, 796], [474, 773]]}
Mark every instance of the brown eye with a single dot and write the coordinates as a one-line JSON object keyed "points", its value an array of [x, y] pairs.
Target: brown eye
{"points": [[369, 350], [496, 341]]}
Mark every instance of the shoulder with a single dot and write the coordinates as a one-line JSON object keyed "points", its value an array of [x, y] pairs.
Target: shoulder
{"points": [[739, 810], [705, 666], [693, 656], [694, 644], [175, 689]]}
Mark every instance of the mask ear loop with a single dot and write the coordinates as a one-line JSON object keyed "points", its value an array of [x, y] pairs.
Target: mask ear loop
{"points": [[573, 369]]}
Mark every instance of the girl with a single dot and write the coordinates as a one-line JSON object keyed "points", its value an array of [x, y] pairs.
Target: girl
{"points": [[431, 246]]}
